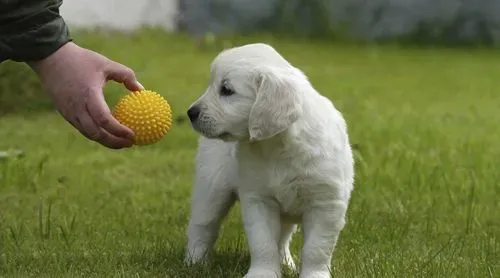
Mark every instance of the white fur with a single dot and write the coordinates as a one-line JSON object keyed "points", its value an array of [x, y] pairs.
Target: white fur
{"points": [[282, 150]]}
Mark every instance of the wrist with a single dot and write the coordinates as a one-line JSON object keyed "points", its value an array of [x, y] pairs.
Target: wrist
{"points": [[61, 54]]}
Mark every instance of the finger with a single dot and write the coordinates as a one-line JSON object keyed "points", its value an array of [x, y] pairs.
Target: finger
{"points": [[93, 132], [88, 127], [122, 74], [75, 122], [100, 113]]}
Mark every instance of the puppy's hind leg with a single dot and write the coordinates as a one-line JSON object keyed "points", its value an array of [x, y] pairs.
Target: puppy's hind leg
{"points": [[287, 231]]}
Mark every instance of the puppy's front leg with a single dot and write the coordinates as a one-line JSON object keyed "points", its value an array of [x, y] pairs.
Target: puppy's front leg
{"points": [[209, 206], [321, 225], [261, 218]]}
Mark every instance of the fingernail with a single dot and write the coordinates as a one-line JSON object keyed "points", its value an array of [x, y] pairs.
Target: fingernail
{"points": [[139, 84]]}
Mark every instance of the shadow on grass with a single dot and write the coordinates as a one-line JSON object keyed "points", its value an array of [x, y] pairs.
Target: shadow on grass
{"points": [[148, 262]]}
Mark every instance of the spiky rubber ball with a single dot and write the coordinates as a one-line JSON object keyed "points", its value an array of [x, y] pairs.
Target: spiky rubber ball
{"points": [[146, 113]]}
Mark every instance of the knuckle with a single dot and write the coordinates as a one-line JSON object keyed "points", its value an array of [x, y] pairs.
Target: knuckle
{"points": [[102, 120], [129, 73], [94, 135]]}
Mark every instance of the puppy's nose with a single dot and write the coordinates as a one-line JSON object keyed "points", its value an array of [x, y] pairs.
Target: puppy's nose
{"points": [[193, 113]]}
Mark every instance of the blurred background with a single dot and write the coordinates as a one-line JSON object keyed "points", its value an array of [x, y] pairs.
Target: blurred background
{"points": [[417, 21], [449, 23]]}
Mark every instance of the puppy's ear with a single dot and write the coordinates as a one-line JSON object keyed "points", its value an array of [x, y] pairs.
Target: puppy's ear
{"points": [[277, 105]]}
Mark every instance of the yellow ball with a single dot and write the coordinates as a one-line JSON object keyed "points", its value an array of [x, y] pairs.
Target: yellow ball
{"points": [[146, 113]]}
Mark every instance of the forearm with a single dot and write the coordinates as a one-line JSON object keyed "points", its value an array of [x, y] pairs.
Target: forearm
{"points": [[31, 30]]}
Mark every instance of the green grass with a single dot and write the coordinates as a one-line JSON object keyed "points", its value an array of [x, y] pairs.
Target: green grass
{"points": [[426, 199]]}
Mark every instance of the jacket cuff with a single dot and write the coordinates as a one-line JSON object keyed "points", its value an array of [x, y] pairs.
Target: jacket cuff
{"points": [[38, 43]]}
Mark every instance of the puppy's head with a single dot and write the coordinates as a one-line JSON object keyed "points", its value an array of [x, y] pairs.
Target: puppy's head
{"points": [[253, 95]]}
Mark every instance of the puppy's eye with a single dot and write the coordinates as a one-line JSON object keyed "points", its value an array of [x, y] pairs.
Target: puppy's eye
{"points": [[225, 90]]}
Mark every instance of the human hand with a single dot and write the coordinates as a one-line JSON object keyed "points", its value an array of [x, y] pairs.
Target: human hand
{"points": [[74, 78]]}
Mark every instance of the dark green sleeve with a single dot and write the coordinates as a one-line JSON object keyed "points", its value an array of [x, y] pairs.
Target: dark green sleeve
{"points": [[31, 30]]}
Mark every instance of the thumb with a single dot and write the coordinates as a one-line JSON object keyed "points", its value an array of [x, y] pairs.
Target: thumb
{"points": [[122, 74]]}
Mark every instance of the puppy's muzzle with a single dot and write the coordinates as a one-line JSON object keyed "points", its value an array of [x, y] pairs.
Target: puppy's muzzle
{"points": [[193, 113]]}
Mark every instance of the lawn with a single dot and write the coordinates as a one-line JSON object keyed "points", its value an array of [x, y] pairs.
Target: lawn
{"points": [[426, 199]]}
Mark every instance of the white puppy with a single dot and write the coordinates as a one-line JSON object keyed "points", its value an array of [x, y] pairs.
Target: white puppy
{"points": [[271, 141]]}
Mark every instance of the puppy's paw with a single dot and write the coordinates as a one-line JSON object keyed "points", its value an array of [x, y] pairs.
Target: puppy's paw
{"points": [[193, 259], [262, 273]]}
